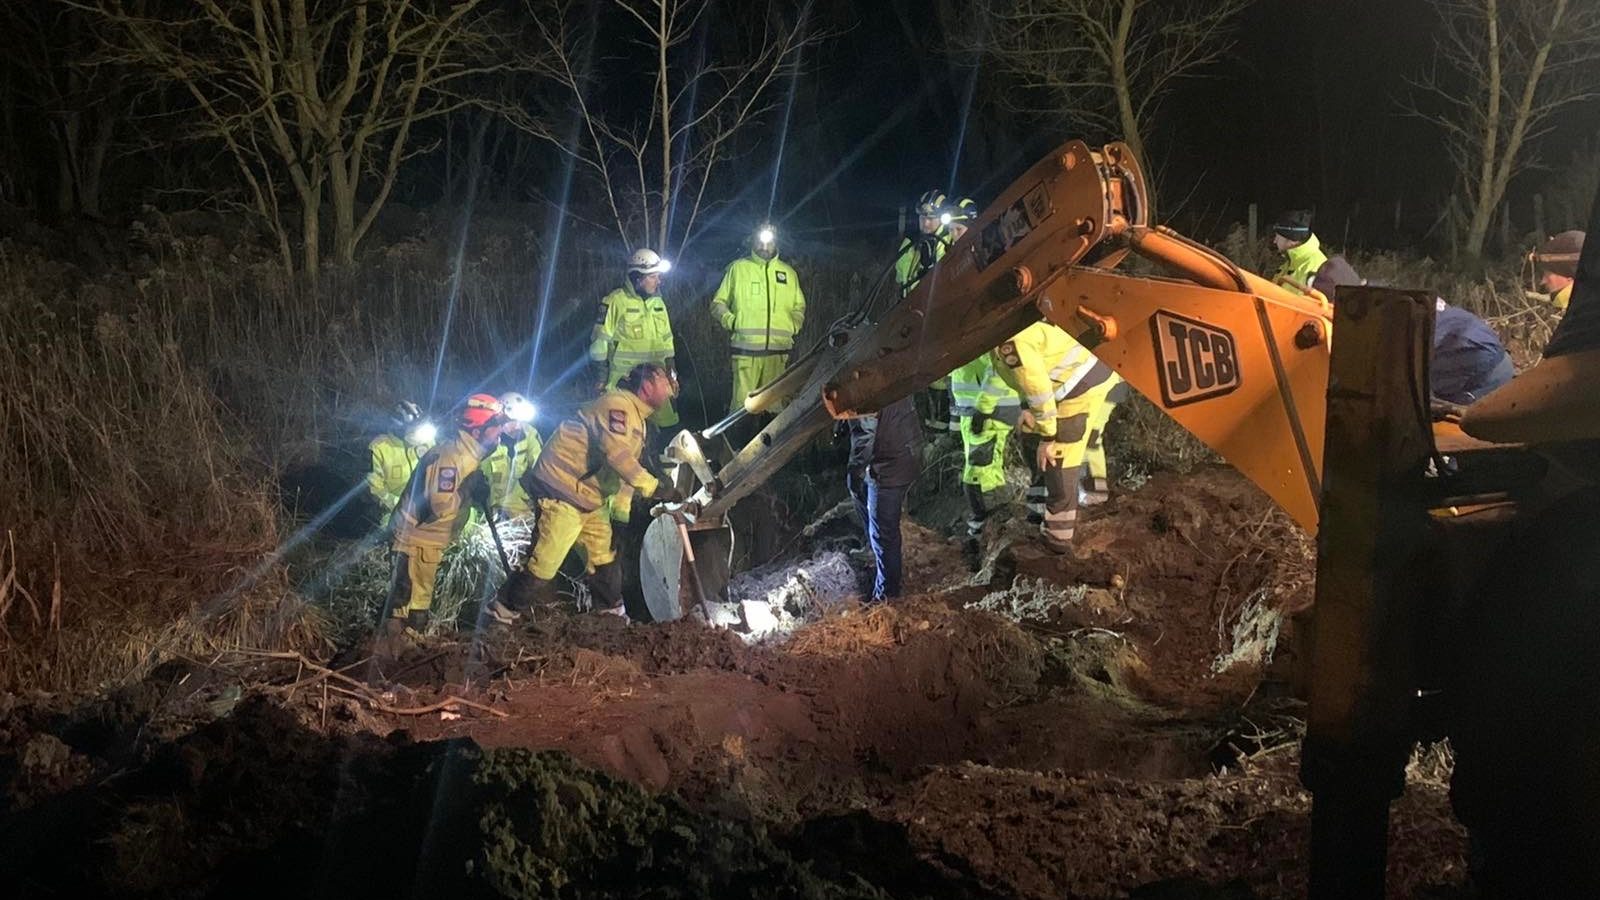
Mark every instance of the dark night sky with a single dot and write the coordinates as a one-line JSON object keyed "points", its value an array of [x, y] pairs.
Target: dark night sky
{"points": [[1302, 113]]}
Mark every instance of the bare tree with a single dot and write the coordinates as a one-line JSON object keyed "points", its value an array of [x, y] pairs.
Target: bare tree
{"points": [[83, 103], [675, 113], [1502, 71], [1106, 64], [315, 101]]}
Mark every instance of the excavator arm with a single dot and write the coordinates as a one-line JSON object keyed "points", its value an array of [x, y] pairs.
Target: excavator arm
{"points": [[1238, 361]]}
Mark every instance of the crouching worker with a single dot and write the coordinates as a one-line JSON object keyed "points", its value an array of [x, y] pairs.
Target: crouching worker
{"points": [[447, 485], [588, 460]]}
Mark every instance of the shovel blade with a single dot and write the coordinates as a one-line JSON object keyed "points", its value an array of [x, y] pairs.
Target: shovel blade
{"points": [[661, 570]]}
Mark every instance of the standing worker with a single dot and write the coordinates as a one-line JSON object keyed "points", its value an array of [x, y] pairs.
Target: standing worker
{"points": [[633, 328], [589, 458], [918, 255], [885, 457], [986, 410], [518, 448], [1061, 384], [395, 454], [1557, 265], [761, 307], [954, 220], [1302, 252], [435, 506]]}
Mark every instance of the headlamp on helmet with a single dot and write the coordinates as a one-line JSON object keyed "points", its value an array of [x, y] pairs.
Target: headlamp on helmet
{"points": [[518, 408]]}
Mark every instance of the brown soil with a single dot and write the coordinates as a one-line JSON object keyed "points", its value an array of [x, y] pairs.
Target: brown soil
{"points": [[1049, 728]]}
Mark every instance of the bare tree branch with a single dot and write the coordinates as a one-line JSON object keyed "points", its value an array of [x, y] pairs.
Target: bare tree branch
{"points": [[1104, 64], [1503, 70], [310, 95], [701, 89]]}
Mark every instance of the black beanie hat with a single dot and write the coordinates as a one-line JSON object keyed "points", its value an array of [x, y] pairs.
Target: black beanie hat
{"points": [[1294, 224], [1559, 253]]}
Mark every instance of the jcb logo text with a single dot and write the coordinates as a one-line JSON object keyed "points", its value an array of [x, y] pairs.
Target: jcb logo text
{"points": [[1197, 361]]}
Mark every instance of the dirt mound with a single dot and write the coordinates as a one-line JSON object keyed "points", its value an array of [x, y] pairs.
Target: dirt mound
{"points": [[1198, 573], [255, 805], [1033, 835]]}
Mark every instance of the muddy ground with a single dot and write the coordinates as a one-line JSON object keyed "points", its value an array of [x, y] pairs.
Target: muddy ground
{"points": [[1107, 725]]}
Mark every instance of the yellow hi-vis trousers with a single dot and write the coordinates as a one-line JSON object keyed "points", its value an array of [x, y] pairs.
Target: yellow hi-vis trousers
{"points": [[984, 455], [1095, 452], [1055, 488], [413, 572], [559, 526], [752, 373]]}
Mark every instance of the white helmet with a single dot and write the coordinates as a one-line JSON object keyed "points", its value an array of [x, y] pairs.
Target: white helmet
{"points": [[647, 262], [518, 408]]}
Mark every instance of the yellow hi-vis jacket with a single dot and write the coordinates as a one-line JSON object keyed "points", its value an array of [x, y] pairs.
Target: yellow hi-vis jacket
{"points": [[913, 262], [594, 453], [438, 498], [393, 461], [1300, 263], [1561, 298], [1044, 364], [630, 330], [760, 305], [976, 387], [504, 468]]}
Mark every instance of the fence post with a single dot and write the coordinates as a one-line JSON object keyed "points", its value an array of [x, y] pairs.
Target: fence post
{"points": [[1505, 225], [1252, 226]]}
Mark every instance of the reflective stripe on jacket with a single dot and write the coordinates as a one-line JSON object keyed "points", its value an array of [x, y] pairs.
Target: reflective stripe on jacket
{"points": [[976, 387], [631, 329], [435, 504], [1044, 364], [760, 304], [1300, 263], [594, 453], [917, 257]]}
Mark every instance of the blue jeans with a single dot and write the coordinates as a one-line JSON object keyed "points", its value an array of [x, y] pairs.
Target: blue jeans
{"points": [[880, 508]]}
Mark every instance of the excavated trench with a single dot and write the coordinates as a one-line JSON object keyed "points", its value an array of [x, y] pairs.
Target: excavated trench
{"points": [[1095, 727]]}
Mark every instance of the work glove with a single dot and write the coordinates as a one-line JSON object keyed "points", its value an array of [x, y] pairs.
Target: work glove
{"points": [[667, 493], [478, 490], [1027, 420]]}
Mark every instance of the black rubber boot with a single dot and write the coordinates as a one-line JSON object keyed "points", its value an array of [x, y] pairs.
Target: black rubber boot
{"points": [[605, 585]]}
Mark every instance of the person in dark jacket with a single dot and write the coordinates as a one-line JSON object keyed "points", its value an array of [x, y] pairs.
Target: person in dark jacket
{"points": [[885, 457], [1468, 360]]}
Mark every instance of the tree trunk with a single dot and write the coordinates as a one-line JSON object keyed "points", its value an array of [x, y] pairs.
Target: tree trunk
{"points": [[343, 190], [311, 232], [91, 171], [1119, 77]]}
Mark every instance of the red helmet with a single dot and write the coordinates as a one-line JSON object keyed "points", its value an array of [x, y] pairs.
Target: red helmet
{"points": [[481, 410]]}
